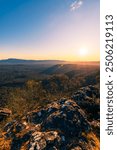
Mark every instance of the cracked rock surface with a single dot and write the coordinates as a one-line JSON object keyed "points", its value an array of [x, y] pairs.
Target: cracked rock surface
{"points": [[67, 124]]}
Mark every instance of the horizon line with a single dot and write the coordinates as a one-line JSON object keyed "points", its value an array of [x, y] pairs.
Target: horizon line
{"points": [[51, 60]]}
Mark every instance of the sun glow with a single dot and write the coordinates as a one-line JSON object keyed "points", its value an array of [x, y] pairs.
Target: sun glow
{"points": [[83, 52]]}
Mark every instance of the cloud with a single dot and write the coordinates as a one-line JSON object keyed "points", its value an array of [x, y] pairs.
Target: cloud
{"points": [[76, 5]]}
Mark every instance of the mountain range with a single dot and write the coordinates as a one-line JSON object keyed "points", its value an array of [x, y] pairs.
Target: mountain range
{"points": [[24, 61]]}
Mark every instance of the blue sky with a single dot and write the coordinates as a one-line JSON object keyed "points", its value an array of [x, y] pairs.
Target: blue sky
{"points": [[49, 29]]}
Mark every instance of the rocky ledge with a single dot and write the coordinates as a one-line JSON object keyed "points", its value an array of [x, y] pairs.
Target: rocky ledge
{"points": [[67, 124]]}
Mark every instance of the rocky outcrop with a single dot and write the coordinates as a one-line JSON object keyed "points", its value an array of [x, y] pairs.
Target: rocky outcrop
{"points": [[62, 125], [88, 98], [4, 113]]}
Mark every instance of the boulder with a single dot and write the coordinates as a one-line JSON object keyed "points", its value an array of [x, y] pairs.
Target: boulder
{"points": [[4, 113]]}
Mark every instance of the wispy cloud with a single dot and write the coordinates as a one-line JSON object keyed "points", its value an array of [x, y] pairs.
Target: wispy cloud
{"points": [[76, 5]]}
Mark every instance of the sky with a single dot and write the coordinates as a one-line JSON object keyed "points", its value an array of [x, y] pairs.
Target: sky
{"points": [[50, 29]]}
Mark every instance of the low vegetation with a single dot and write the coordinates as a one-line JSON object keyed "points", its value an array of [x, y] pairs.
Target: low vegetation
{"points": [[24, 89]]}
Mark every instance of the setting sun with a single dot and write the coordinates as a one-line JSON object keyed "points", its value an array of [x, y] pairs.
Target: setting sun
{"points": [[83, 51]]}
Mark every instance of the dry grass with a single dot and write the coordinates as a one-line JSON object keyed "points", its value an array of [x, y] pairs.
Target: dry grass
{"points": [[92, 140], [5, 144]]}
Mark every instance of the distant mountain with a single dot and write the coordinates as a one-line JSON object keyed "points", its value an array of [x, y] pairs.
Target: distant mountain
{"points": [[71, 68], [23, 61]]}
